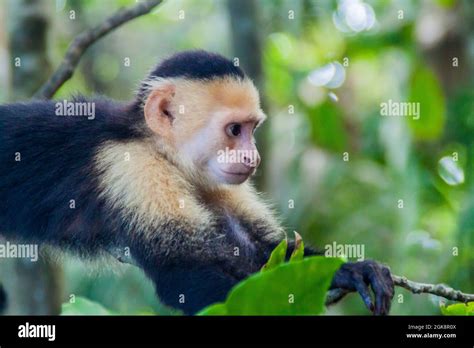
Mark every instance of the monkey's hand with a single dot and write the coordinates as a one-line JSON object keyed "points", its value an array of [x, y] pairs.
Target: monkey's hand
{"points": [[357, 276]]}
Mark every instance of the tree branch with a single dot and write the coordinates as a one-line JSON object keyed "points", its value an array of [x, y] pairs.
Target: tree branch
{"points": [[440, 290], [335, 295], [86, 39]]}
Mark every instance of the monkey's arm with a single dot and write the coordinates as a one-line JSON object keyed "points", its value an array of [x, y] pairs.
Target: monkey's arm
{"points": [[193, 287], [194, 266], [204, 275]]}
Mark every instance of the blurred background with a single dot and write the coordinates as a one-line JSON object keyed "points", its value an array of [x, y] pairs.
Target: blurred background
{"points": [[336, 169]]}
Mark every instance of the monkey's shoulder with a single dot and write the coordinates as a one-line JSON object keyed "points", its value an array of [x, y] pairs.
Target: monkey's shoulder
{"points": [[66, 112]]}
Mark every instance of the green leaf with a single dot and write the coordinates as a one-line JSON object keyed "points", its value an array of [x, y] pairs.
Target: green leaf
{"points": [[298, 251], [215, 309], [277, 257], [296, 288], [458, 309], [83, 306], [425, 89]]}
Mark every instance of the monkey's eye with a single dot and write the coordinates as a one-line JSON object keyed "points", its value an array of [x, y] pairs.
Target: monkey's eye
{"points": [[234, 130]]}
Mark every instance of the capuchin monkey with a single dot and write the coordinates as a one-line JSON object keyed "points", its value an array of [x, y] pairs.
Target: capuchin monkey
{"points": [[149, 177]]}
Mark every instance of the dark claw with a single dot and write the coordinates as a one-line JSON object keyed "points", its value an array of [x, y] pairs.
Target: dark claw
{"points": [[357, 276], [364, 292]]}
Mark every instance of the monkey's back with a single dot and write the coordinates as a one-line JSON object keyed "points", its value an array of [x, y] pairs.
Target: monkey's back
{"points": [[48, 187]]}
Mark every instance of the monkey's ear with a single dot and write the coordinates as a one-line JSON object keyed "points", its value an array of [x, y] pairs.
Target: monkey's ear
{"points": [[158, 116]]}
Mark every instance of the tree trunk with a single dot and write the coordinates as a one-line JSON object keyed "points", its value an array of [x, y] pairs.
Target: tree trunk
{"points": [[247, 47], [33, 288]]}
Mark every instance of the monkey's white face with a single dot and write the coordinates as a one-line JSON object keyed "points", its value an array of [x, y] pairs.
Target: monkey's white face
{"points": [[224, 150], [210, 124]]}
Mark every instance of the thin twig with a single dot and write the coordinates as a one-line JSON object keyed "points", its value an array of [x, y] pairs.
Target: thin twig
{"points": [[434, 289], [86, 39], [440, 290]]}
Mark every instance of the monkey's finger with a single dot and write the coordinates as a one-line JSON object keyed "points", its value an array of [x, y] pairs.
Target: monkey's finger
{"points": [[386, 282], [364, 292], [387, 303], [390, 289], [380, 303], [381, 291]]}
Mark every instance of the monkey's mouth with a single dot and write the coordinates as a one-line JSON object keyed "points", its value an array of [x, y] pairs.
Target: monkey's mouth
{"points": [[234, 178], [237, 173]]}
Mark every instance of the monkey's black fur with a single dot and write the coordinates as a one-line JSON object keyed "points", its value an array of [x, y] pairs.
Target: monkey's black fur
{"points": [[47, 162], [197, 65], [3, 299]]}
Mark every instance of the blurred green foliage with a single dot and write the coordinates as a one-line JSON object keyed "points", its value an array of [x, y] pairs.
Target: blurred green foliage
{"points": [[426, 90], [353, 175]]}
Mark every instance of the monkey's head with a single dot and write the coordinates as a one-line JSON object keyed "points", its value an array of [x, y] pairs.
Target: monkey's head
{"points": [[203, 111]]}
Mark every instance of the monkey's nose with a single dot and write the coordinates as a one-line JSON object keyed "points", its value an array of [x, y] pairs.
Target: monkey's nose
{"points": [[251, 161]]}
